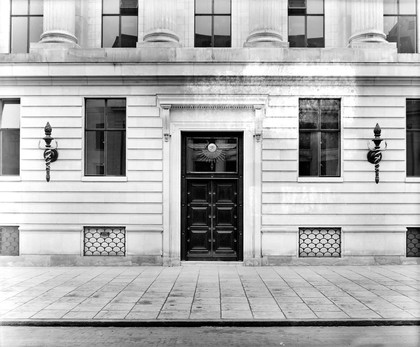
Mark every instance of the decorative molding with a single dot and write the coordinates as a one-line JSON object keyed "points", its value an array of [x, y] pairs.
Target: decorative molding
{"points": [[165, 110]]}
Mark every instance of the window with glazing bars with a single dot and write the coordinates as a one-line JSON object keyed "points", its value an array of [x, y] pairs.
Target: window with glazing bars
{"points": [[105, 143], [26, 22], [119, 23], [212, 23], [306, 23], [413, 137], [319, 137], [9, 137], [400, 18]]}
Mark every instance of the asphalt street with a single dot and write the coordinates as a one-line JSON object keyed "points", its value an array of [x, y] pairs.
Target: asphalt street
{"points": [[383, 336]]}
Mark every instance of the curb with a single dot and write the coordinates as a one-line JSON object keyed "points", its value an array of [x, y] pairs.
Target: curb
{"points": [[200, 323]]}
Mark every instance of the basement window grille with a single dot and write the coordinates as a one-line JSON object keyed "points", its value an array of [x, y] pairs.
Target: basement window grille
{"points": [[105, 241], [413, 242], [9, 240], [320, 242]]}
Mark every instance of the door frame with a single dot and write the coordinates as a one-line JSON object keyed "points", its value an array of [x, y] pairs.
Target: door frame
{"points": [[193, 112], [209, 176]]}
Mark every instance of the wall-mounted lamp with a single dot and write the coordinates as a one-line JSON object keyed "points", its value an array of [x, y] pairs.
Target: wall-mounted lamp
{"points": [[374, 155], [50, 149]]}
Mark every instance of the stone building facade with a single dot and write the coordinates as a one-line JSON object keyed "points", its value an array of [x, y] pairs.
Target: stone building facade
{"points": [[209, 130]]}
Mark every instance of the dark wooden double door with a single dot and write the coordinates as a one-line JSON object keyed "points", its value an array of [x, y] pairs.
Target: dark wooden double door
{"points": [[212, 197]]}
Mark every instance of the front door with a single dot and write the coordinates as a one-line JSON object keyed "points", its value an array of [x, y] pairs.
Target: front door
{"points": [[211, 196]]}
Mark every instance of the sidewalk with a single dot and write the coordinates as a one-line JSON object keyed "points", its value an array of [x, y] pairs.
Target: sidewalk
{"points": [[211, 294]]}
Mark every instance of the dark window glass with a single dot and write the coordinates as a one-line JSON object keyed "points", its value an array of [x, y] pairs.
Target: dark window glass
{"points": [[212, 23], [105, 137], [306, 23], [119, 23], [319, 137], [25, 24], [413, 137], [400, 18], [9, 137]]}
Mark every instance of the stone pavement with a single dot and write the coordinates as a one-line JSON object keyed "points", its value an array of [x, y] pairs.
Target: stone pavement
{"points": [[210, 293]]}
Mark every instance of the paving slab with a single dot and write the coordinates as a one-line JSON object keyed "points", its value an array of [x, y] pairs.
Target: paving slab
{"points": [[383, 294]]}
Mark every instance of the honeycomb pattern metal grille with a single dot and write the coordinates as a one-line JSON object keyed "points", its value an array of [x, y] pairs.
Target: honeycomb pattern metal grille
{"points": [[319, 242], [104, 241], [413, 242], [9, 241]]}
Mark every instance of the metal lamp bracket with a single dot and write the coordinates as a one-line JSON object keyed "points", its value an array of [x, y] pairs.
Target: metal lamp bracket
{"points": [[374, 156], [50, 149]]}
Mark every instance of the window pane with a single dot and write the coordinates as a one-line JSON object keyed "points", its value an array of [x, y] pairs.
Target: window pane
{"points": [[407, 31], [10, 115], [35, 29], [115, 114], [95, 153], [413, 153], [308, 154], [19, 7], [10, 145], [203, 6], [330, 114], [128, 31], [95, 109], [297, 4], [111, 6], [110, 35], [203, 31], [315, 7], [297, 31], [36, 7], [129, 7], [413, 114], [19, 35], [390, 7], [407, 7], [221, 31], [315, 31], [413, 137], [330, 157], [391, 28], [308, 114], [115, 153], [222, 6]]}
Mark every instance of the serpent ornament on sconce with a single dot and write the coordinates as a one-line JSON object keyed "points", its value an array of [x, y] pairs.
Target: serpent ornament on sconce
{"points": [[374, 155], [50, 149]]}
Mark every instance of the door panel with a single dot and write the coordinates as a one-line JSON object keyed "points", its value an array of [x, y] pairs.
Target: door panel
{"points": [[211, 197]]}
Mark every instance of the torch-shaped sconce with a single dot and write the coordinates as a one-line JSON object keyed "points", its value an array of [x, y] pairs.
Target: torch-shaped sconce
{"points": [[50, 149], [374, 155]]}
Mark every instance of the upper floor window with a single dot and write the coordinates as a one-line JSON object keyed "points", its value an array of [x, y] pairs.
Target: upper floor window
{"points": [[9, 137], [306, 23], [413, 137], [212, 23], [119, 23], [400, 18], [319, 137], [105, 145], [25, 24]]}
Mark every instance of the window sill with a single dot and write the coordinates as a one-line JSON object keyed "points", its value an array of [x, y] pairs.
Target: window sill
{"points": [[412, 179], [320, 179], [10, 179], [104, 179]]}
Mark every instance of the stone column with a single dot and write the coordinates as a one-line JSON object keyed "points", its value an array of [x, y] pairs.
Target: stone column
{"points": [[59, 22], [266, 18], [367, 22], [160, 21]]}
